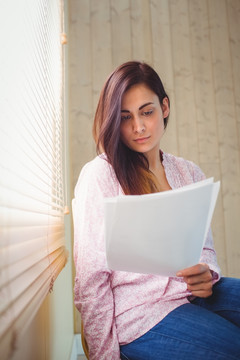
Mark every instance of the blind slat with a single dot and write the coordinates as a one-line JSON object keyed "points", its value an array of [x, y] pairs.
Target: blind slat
{"points": [[17, 217], [20, 256], [20, 284], [43, 164], [9, 234], [33, 199]]}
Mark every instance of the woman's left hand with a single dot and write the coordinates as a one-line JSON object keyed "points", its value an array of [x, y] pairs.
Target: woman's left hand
{"points": [[198, 279]]}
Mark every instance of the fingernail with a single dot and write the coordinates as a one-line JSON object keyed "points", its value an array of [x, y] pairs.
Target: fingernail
{"points": [[179, 273]]}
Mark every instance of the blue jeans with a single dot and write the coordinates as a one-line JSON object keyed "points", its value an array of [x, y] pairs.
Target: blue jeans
{"points": [[205, 329]]}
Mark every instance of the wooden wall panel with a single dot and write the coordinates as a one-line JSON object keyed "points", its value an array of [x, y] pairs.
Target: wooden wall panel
{"points": [[183, 80], [141, 31], [163, 64], [121, 32], [80, 86], [203, 87], [101, 41], [233, 11]]}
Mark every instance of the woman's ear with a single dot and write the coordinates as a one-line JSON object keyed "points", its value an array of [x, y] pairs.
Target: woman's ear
{"points": [[165, 107]]}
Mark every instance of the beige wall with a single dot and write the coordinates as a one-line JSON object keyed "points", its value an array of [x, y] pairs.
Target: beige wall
{"points": [[195, 47]]}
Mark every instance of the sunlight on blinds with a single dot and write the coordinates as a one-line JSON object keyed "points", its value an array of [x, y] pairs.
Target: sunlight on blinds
{"points": [[32, 250]]}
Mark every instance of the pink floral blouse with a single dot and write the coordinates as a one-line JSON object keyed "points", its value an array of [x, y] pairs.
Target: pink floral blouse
{"points": [[118, 307]]}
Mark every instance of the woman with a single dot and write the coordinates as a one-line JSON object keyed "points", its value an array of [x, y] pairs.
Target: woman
{"points": [[139, 316]]}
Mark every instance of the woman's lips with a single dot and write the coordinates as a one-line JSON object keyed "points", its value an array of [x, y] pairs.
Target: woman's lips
{"points": [[142, 139]]}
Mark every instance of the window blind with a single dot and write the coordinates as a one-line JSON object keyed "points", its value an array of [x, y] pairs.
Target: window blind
{"points": [[32, 250]]}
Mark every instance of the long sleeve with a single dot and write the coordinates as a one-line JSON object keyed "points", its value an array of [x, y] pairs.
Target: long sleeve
{"points": [[208, 254], [93, 293]]}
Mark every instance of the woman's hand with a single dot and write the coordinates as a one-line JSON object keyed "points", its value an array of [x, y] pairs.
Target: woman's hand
{"points": [[198, 279]]}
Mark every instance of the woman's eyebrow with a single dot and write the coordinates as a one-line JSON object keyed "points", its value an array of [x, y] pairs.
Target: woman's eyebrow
{"points": [[141, 107]]}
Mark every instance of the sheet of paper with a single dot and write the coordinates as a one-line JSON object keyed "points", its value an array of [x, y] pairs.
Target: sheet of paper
{"points": [[159, 233]]}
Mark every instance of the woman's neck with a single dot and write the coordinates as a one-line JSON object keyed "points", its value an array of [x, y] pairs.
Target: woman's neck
{"points": [[157, 168]]}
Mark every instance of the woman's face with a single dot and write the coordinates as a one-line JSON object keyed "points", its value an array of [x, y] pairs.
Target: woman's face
{"points": [[142, 124]]}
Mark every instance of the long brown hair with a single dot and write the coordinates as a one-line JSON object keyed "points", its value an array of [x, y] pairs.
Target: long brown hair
{"points": [[131, 167]]}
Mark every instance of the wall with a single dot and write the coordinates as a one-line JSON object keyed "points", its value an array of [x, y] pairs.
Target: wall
{"points": [[195, 47]]}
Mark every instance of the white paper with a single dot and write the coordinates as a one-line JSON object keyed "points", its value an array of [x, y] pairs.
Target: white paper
{"points": [[159, 233]]}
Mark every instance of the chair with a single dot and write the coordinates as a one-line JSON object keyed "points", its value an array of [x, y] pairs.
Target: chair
{"points": [[84, 342]]}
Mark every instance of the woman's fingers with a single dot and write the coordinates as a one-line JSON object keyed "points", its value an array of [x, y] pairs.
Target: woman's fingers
{"points": [[193, 270], [198, 279], [205, 277], [203, 289]]}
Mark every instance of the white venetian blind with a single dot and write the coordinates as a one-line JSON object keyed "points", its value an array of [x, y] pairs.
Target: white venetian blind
{"points": [[32, 251]]}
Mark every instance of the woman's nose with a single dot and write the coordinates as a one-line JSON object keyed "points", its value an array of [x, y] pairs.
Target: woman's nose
{"points": [[138, 125]]}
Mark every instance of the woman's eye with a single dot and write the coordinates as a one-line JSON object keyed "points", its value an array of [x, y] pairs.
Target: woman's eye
{"points": [[125, 117], [147, 113]]}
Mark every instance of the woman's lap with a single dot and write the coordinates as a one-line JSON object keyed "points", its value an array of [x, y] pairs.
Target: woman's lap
{"points": [[225, 300], [194, 330]]}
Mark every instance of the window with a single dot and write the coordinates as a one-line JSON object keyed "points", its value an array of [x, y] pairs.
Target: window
{"points": [[32, 250]]}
